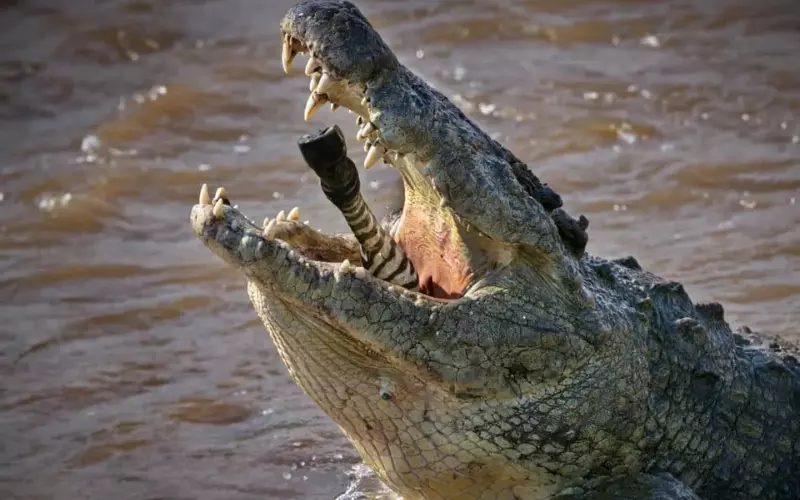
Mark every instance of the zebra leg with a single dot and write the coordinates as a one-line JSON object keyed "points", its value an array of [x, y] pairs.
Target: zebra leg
{"points": [[326, 154]]}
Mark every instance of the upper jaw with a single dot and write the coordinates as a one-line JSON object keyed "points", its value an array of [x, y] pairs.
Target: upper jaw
{"points": [[338, 36], [484, 184]]}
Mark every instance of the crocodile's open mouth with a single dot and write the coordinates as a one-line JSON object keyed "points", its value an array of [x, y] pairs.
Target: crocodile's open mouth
{"points": [[471, 207], [447, 254]]}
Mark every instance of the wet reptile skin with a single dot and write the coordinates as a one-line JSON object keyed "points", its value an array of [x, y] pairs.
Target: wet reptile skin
{"points": [[556, 375]]}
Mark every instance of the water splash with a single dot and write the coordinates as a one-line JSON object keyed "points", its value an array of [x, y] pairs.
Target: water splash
{"points": [[365, 486]]}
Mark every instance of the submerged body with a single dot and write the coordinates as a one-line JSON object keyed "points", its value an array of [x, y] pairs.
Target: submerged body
{"points": [[523, 368]]}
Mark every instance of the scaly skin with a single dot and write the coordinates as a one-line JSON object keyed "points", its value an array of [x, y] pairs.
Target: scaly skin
{"points": [[553, 374]]}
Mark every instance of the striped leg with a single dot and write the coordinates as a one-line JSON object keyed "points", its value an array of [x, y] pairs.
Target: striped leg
{"points": [[326, 154], [382, 256]]}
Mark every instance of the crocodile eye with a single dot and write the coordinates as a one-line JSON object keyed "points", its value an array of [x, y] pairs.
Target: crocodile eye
{"points": [[386, 396]]}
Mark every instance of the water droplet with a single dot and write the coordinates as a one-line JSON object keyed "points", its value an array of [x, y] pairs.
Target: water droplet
{"points": [[420, 54], [157, 92], [748, 204], [204, 167], [627, 136], [90, 143], [650, 41], [486, 108]]}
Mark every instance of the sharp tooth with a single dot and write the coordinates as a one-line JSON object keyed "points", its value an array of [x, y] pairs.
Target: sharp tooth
{"points": [[315, 101], [205, 198], [287, 55], [374, 154], [312, 85], [281, 216], [311, 66], [365, 131], [360, 120], [217, 211], [220, 193], [361, 273], [325, 83], [334, 106], [367, 145], [364, 101], [270, 227], [344, 266], [294, 214], [266, 222]]}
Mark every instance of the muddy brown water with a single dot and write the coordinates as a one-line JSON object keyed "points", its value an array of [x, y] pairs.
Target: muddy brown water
{"points": [[132, 365]]}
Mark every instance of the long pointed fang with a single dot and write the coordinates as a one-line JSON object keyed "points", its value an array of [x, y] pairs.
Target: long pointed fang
{"points": [[217, 210], [374, 154], [205, 198], [315, 101], [287, 55], [311, 66], [312, 85], [220, 194], [269, 228], [344, 267], [325, 83], [294, 214], [281, 217]]}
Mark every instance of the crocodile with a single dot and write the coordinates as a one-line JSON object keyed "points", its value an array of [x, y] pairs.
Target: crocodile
{"points": [[512, 364]]}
